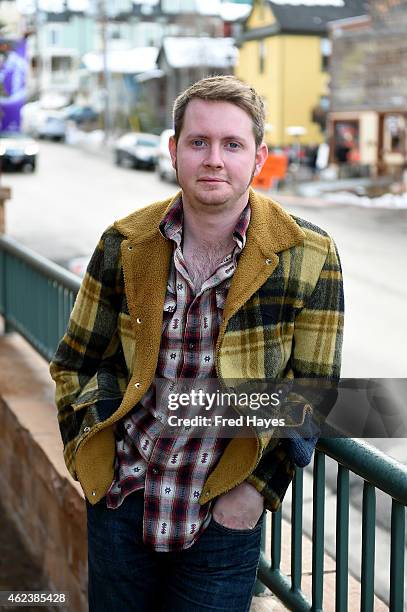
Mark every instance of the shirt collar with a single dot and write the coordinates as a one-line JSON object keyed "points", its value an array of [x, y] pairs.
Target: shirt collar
{"points": [[172, 224]]}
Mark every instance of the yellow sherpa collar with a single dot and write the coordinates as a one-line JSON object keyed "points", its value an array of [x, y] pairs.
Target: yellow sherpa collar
{"points": [[271, 227]]}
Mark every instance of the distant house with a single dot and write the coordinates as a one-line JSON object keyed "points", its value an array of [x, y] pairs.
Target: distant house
{"points": [[184, 60], [123, 68], [368, 118], [60, 41], [284, 54]]}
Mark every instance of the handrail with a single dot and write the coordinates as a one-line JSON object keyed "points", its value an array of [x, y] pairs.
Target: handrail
{"points": [[370, 463], [36, 296], [42, 264]]}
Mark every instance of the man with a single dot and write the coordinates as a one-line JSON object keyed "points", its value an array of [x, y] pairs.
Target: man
{"points": [[215, 283]]}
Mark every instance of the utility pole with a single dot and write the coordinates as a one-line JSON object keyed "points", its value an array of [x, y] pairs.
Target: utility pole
{"points": [[37, 29], [105, 67]]}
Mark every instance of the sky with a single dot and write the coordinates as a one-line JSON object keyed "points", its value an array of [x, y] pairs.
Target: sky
{"points": [[56, 5], [211, 6], [51, 5]]}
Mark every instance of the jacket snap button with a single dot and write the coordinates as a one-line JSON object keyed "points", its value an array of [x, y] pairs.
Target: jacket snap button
{"points": [[86, 429], [94, 493], [269, 261], [207, 493], [130, 248], [138, 320], [137, 385]]}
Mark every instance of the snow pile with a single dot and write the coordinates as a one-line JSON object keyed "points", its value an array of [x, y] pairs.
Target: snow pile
{"points": [[229, 11], [185, 51], [130, 61], [388, 200]]}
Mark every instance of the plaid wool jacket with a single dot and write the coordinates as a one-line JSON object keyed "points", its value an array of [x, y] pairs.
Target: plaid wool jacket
{"points": [[283, 318]]}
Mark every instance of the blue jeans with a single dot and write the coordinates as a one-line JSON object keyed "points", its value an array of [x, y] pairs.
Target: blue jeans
{"points": [[217, 573]]}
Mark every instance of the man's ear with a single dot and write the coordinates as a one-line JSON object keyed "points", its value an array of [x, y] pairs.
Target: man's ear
{"points": [[261, 156], [172, 147]]}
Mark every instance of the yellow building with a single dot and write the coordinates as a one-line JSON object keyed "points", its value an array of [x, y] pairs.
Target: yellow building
{"points": [[284, 52]]}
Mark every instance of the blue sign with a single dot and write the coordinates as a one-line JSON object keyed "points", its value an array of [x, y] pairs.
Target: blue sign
{"points": [[13, 79]]}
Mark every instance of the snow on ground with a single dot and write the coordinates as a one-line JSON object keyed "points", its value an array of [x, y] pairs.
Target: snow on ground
{"points": [[388, 200]]}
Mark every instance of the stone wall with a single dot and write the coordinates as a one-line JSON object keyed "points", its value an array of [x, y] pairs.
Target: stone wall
{"points": [[38, 494]]}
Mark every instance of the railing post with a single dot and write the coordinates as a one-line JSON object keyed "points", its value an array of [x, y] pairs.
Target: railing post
{"points": [[398, 523], [4, 291], [5, 194], [318, 530], [296, 530], [342, 540], [368, 548]]}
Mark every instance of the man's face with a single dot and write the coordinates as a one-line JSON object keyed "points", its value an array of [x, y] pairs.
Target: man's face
{"points": [[216, 156]]}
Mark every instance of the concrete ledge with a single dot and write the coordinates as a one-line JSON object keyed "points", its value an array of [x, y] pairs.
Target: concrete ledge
{"points": [[38, 494]]}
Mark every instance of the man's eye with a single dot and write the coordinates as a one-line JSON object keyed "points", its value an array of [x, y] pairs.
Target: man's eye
{"points": [[198, 143], [234, 145]]}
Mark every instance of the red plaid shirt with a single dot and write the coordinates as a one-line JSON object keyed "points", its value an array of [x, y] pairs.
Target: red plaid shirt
{"points": [[173, 471]]}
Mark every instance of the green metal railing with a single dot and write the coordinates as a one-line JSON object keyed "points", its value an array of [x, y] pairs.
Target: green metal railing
{"points": [[36, 297], [378, 471]]}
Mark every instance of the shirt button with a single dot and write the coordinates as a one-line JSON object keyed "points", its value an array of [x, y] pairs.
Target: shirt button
{"points": [[191, 345], [155, 470]]}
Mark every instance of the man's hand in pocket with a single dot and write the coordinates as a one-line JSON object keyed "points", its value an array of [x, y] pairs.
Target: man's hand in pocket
{"points": [[239, 508]]}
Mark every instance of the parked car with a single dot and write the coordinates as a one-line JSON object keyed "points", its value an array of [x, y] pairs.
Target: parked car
{"points": [[41, 122], [164, 165], [18, 151], [137, 150], [80, 114], [51, 125]]}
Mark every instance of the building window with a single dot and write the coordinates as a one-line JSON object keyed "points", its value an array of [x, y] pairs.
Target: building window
{"points": [[262, 56], [326, 49], [53, 37], [394, 133], [346, 141], [61, 63]]}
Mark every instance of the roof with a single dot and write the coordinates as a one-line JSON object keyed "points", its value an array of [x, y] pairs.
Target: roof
{"points": [[307, 16], [131, 61], [62, 16], [231, 11], [189, 51]]}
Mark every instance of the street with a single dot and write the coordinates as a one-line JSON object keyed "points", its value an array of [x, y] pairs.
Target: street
{"points": [[62, 210]]}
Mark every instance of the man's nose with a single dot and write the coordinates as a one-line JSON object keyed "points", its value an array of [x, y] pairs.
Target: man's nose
{"points": [[214, 157]]}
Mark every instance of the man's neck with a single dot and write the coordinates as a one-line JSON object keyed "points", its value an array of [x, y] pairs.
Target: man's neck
{"points": [[208, 226]]}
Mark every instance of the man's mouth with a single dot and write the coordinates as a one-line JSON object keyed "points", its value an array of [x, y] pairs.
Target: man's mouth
{"points": [[211, 179]]}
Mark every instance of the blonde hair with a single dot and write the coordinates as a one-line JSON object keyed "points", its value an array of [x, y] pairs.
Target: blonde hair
{"points": [[222, 88]]}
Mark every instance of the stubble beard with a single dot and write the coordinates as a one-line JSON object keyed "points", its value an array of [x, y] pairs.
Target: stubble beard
{"points": [[224, 202]]}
